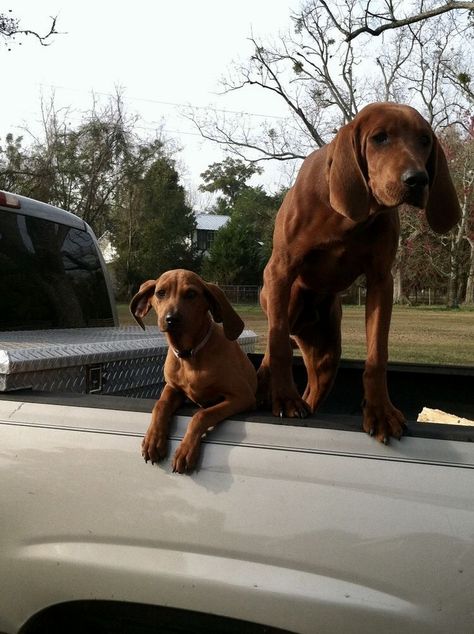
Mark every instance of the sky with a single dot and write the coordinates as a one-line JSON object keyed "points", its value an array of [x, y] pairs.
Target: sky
{"points": [[163, 55]]}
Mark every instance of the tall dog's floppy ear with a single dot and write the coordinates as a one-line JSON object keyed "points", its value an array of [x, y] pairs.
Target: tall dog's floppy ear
{"points": [[141, 302], [348, 190], [222, 311], [442, 210]]}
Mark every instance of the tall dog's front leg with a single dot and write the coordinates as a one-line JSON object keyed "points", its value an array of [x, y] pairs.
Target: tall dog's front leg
{"points": [[381, 418], [187, 453], [155, 443], [275, 376]]}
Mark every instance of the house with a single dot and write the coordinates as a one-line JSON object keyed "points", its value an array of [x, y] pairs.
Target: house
{"points": [[109, 252], [206, 227]]}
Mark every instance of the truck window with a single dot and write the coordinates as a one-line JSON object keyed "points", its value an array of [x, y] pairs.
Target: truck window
{"points": [[50, 276]]}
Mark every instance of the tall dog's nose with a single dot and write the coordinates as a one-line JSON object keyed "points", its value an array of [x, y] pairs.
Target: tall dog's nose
{"points": [[414, 178]]}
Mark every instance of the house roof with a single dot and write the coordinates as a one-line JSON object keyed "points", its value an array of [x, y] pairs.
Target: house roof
{"points": [[211, 222]]}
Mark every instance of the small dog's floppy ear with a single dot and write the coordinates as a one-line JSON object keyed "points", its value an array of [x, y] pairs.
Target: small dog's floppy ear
{"points": [[222, 311], [349, 193], [442, 210], [141, 302]]}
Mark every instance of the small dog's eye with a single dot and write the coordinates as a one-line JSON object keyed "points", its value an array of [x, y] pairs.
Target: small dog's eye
{"points": [[160, 293], [380, 138], [190, 294], [425, 140]]}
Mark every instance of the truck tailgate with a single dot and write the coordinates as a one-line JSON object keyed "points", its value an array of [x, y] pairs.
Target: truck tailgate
{"points": [[304, 529]]}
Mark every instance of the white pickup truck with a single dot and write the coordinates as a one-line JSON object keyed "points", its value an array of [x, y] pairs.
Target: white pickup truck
{"points": [[302, 527]]}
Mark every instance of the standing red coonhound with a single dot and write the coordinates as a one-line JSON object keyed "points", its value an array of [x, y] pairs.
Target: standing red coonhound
{"points": [[338, 221]]}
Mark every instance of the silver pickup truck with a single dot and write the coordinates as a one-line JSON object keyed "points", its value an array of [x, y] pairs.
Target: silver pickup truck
{"points": [[284, 527]]}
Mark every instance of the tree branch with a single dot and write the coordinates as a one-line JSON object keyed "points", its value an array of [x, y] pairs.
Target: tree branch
{"points": [[453, 5], [9, 27]]}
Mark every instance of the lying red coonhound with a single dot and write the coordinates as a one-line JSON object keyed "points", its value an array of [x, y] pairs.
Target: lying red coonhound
{"points": [[204, 362], [338, 221]]}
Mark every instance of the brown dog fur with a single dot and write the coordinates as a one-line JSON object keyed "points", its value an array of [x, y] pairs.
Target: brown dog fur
{"points": [[203, 363], [340, 220]]}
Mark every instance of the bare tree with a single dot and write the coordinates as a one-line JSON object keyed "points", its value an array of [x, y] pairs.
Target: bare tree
{"points": [[325, 77], [386, 16], [324, 80], [10, 30], [310, 72]]}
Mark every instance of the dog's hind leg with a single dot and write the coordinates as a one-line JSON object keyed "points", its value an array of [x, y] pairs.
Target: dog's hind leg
{"points": [[318, 336]]}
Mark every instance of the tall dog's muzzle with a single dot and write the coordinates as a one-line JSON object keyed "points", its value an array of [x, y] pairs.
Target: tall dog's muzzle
{"points": [[415, 179], [416, 187]]}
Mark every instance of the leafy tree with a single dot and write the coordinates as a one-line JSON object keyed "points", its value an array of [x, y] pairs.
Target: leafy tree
{"points": [[79, 168], [230, 178], [13, 165], [242, 247], [235, 255], [163, 223], [257, 209], [105, 173]]}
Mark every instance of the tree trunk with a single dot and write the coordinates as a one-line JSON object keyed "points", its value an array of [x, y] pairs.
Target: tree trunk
{"points": [[397, 274], [469, 299], [453, 278], [397, 284]]}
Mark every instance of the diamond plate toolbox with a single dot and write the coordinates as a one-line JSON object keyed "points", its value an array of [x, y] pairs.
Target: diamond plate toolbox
{"points": [[124, 361]]}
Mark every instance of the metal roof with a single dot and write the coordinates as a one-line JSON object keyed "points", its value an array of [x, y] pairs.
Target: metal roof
{"points": [[211, 222]]}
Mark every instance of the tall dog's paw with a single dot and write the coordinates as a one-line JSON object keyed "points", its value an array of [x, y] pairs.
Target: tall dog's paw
{"points": [[383, 422], [291, 406], [154, 447], [185, 457]]}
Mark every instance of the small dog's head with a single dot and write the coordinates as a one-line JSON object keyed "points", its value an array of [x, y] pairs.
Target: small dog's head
{"points": [[182, 301], [388, 156]]}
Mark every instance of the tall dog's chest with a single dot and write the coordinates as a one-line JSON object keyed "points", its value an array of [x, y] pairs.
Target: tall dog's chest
{"points": [[335, 265]]}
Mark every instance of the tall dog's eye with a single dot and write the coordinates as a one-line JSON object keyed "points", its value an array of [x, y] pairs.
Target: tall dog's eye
{"points": [[425, 140], [190, 294], [380, 138], [160, 293]]}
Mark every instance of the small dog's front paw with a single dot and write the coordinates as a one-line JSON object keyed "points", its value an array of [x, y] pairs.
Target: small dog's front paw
{"points": [[185, 457], [154, 447]]}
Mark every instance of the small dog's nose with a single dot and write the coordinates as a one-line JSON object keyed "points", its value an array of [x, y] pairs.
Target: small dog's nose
{"points": [[172, 319], [414, 178]]}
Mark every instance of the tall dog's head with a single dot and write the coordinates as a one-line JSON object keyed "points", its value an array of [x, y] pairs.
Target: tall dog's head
{"points": [[182, 301], [389, 155]]}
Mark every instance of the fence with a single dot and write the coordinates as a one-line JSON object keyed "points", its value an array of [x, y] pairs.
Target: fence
{"points": [[355, 295], [241, 294], [417, 297]]}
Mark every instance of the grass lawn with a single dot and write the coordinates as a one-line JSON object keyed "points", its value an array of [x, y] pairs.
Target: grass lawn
{"points": [[417, 335]]}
